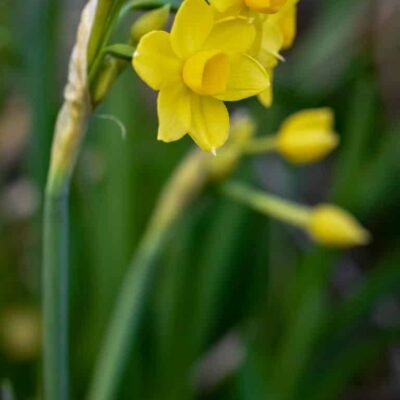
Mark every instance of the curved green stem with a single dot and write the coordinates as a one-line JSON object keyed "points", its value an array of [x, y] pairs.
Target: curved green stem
{"points": [[265, 203], [261, 145], [125, 322]]}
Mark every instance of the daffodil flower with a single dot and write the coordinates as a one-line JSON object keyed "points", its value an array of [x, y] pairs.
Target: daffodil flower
{"points": [[195, 68]]}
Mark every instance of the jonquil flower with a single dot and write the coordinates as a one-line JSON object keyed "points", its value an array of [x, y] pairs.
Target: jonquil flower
{"points": [[195, 68]]}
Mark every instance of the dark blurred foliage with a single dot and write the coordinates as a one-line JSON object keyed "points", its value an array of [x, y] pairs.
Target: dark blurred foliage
{"points": [[243, 307]]}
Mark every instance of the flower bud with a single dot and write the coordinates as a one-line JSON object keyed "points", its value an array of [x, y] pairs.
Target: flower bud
{"points": [[307, 136], [334, 227], [107, 76], [151, 21], [241, 131]]}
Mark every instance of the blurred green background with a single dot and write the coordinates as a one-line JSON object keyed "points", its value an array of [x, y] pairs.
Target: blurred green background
{"points": [[243, 308]]}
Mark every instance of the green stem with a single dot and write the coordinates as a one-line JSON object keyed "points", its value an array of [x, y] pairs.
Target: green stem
{"points": [[121, 51], [55, 298], [261, 145], [265, 203], [106, 18], [126, 319], [68, 135]]}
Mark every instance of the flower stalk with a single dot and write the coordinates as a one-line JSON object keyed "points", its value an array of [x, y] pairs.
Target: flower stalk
{"points": [[261, 145], [273, 206], [122, 334], [68, 135], [69, 132], [326, 224]]}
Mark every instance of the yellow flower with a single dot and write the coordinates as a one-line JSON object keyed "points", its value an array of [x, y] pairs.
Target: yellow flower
{"points": [[196, 67], [334, 227], [307, 136]]}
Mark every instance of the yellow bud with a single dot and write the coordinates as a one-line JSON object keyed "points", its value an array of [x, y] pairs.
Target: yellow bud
{"points": [[265, 6], [151, 21], [223, 163], [242, 130], [307, 136], [107, 76], [334, 227]]}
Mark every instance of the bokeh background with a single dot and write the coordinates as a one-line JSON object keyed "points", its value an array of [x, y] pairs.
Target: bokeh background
{"points": [[243, 307]]}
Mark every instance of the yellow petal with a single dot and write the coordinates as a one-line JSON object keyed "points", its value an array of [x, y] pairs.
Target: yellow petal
{"points": [[193, 23], [155, 62], [224, 5], [247, 78], [266, 97], [174, 113], [334, 227], [210, 122], [289, 26], [267, 60], [315, 119], [272, 42], [286, 20], [235, 35], [207, 72], [265, 6]]}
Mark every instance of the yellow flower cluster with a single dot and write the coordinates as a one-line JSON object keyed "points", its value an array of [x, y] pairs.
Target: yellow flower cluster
{"points": [[218, 52], [226, 50]]}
